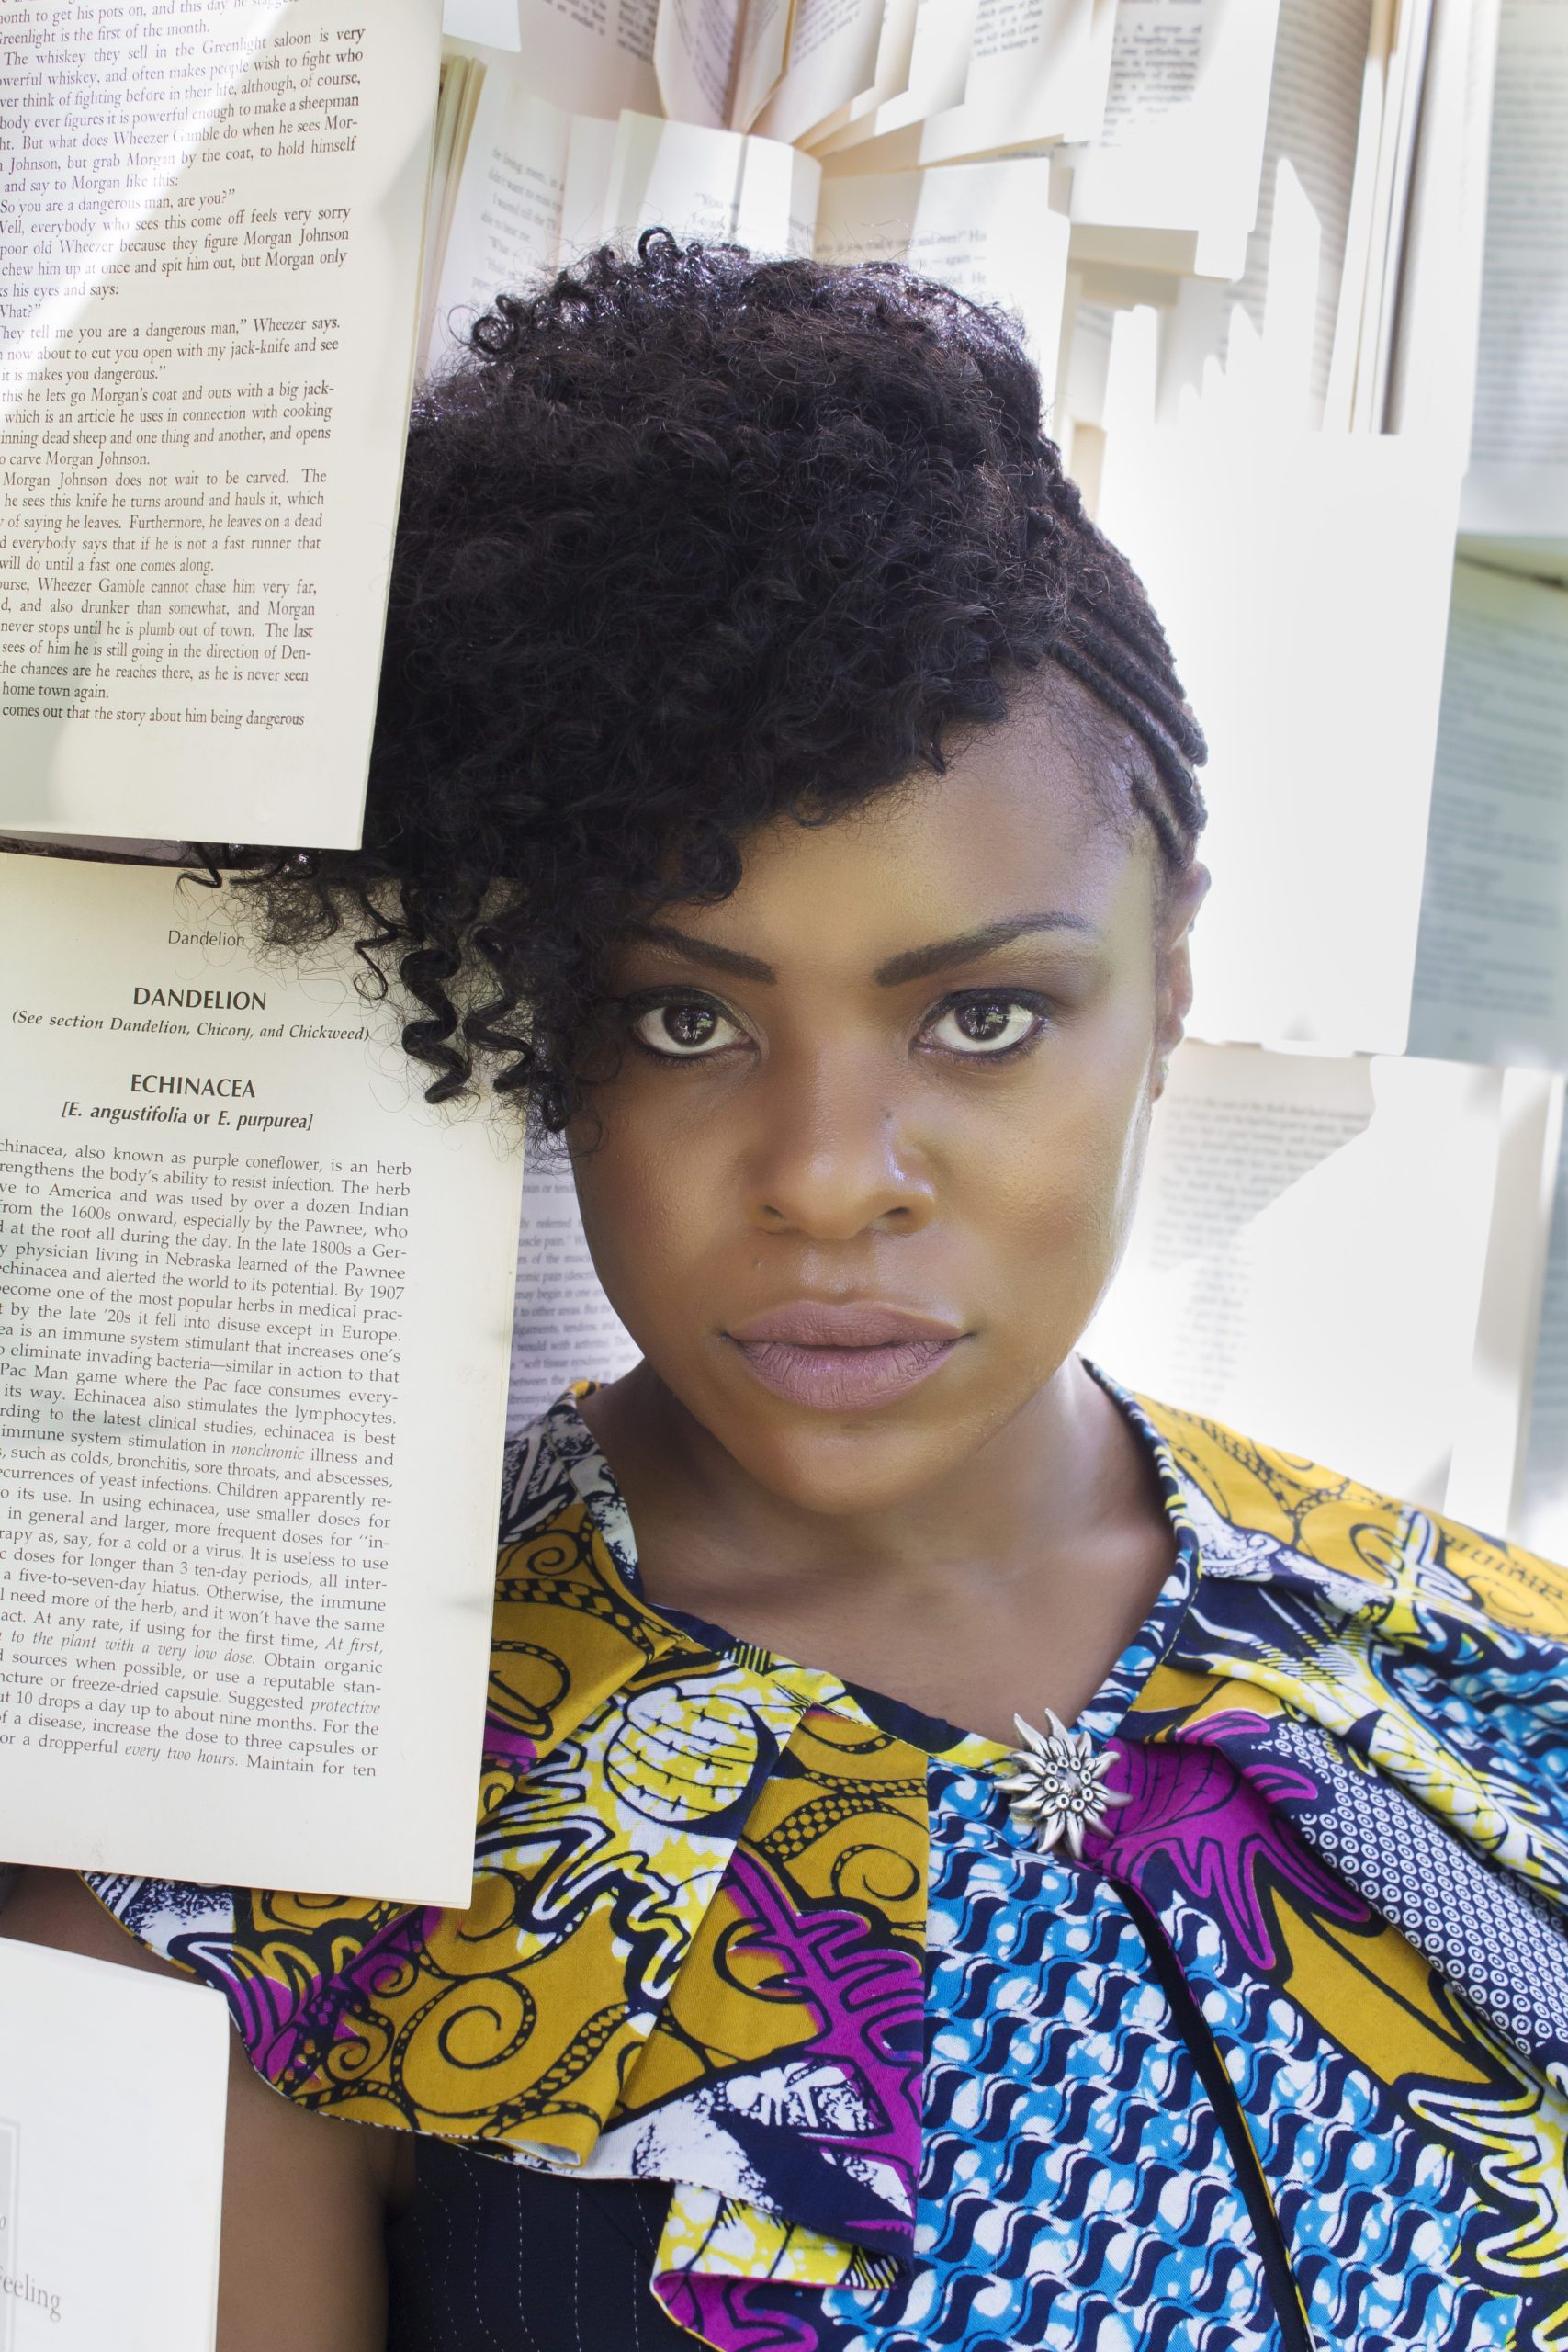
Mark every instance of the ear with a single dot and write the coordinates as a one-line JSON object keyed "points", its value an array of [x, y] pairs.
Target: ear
{"points": [[1182, 896]]}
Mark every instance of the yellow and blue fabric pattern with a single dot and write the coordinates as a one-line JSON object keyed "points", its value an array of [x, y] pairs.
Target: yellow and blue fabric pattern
{"points": [[1282, 2062]]}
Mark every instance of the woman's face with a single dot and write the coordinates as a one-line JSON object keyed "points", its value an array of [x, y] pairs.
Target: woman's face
{"points": [[867, 1165]]}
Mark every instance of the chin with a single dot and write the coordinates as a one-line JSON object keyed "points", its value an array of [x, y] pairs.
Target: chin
{"points": [[841, 1468]]}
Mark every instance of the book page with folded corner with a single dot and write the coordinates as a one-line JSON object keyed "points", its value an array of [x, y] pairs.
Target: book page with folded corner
{"points": [[506, 221], [1486, 1475], [1518, 456], [563, 1328], [1260, 351], [1307, 1257], [1541, 1520], [1038, 70], [592, 58], [718, 185], [1186, 107], [985, 229], [1490, 977], [831, 58], [1304, 580], [253, 1348], [113, 2089], [203, 408]]}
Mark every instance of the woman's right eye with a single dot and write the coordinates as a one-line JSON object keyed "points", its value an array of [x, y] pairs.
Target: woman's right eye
{"points": [[685, 1029]]}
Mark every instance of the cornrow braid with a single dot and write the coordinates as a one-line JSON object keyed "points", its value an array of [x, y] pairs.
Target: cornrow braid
{"points": [[690, 541]]}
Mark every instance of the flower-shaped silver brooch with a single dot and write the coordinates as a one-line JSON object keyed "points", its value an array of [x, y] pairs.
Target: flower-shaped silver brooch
{"points": [[1057, 1785]]}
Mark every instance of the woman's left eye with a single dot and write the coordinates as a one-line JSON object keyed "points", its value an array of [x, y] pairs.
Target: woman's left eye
{"points": [[986, 1024]]}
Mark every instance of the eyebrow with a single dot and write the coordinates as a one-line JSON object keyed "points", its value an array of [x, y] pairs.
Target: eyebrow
{"points": [[920, 963], [702, 951], [915, 964]]}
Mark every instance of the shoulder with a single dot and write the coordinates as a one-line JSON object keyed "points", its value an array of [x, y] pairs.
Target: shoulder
{"points": [[1256, 1506]]}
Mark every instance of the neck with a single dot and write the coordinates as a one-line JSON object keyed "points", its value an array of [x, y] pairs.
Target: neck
{"points": [[1031, 1507]]}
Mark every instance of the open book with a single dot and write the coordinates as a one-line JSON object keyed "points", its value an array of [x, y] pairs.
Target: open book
{"points": [[252, 1374], [113, 2083], [206, 327]]}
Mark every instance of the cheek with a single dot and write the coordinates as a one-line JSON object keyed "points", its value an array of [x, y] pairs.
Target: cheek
{"points": [[1051, 1189], [647, 1211]]}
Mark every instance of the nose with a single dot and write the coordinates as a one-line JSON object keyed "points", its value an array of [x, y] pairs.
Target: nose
{"points": [[834, 1155]]}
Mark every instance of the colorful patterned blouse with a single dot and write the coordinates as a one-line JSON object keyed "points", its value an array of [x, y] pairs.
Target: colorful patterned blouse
{"points": [[1283, 2062]]}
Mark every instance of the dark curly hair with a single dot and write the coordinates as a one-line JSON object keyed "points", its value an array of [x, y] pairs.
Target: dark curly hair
{"points": [[690, 541]]}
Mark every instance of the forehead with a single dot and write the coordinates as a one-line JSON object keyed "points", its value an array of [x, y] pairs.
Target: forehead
{"points": [[1023, 821]]}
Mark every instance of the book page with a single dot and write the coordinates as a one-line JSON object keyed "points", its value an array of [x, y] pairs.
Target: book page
{"points": [[1286, 1199], [1435, 332], [1541, 1521], [590, 153], [491, 24], [589, 56], [716, 185], [1076, 420], [564, 1328], [462, 82], [506, 223], [985, 229], [1038, 70], [940, 41], [1490, 980], [1519, 445], [207, 339], [1304, 580], [1181, 145], [113, 2086], [831, 59], [253, 1373], [1485, 1476], [890, 71], [695, 47], [1260, 351], [1403, 73]]}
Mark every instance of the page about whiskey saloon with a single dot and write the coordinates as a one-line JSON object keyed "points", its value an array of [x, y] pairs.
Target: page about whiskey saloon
{"points": [[210, 221], [255, 1305]]}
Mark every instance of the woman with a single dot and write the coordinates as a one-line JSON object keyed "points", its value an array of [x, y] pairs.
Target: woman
{"points": [[745, 618]]}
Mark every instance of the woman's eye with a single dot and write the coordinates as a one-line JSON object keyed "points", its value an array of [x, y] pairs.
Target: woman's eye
{"points": [[685, 1029], [985, 1024]]}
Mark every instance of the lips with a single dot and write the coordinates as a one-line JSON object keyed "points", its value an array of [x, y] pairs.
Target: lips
{"points": [[843, 1355]]}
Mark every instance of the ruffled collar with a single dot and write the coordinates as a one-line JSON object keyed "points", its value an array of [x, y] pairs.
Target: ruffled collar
{"points": [[562, 1433], [695, 1950]]}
